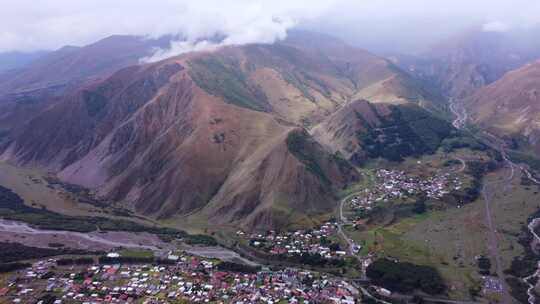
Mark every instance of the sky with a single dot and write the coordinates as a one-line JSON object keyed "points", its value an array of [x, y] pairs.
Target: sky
{"points": [[381, 25]]}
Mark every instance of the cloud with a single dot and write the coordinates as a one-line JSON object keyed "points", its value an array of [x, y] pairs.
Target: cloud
{"points": [[51, 24], [256, 23], [29, 25], [496, 26]]}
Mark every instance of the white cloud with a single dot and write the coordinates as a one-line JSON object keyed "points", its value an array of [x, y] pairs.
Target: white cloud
{"points": [[256, 23], [496, 26], [51, 24]]}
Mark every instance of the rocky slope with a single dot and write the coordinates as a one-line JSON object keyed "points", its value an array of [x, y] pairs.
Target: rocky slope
{"points": [[511, 106], [26, 91], [215, 135]]}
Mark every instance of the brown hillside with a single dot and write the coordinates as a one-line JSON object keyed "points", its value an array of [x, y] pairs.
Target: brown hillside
{"points": [[209, 135], [511, 105]]}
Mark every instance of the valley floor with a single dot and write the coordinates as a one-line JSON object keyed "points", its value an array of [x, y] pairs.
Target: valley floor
{"points": [[448, 238]]}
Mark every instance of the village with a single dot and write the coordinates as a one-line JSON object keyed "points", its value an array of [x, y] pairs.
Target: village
{"points": [[321, 241], [183, 277], [392, 185]]}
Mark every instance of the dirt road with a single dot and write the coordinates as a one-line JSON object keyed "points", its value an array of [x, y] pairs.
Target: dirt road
{"points": [[343, 221], [493, 246]]}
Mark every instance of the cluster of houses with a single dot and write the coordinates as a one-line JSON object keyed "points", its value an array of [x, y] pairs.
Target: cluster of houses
{"points": [[392, 184], [321, 241], [188, 278]]}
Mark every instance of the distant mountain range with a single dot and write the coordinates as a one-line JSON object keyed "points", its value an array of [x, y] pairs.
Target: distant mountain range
{"points": [[17, 60], [494, 74], [461, 65]]}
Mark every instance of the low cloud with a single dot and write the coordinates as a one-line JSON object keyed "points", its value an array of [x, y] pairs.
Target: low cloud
{"points": [[29, 25], [496, 26], [50, 24], [259, 28]]}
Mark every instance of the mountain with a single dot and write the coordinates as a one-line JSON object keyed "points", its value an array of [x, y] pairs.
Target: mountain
{"points": [[511, 106], [215, 135], [26, 91], [74, 64], [15, 60], [462, 64], [362, 130]]}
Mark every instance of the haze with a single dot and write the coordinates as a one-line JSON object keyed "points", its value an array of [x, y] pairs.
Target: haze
{"points": [[385, 26]]}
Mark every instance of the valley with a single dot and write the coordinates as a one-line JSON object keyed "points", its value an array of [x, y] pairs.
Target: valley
{"points": [[303, 171]]}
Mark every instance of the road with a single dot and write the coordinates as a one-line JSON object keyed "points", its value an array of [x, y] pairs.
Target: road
{"points": [[493, 247], [343, 221], [494, 142], [460, 122], [534, 222]]}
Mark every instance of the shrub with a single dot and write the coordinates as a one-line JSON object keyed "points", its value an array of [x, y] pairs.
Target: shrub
{"points": [[405, 277]]}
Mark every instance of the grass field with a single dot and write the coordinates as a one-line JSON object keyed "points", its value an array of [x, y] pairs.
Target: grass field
{"points": [[451, 239], [136, 253]]}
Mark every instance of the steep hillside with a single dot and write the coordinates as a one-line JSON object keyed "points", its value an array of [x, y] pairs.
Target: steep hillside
{"points": [[15, 60], [373, 78], [151, 137], [73, 64], [462, 64], [511, 105], [363, 130], [27, 91], [215, 135]]}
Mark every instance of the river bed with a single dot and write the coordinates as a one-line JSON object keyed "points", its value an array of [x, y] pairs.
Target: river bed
{"points": [[18, 232]]}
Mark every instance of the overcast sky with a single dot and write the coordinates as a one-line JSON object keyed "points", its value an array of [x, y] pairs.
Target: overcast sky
{"points": [[405, 25]]}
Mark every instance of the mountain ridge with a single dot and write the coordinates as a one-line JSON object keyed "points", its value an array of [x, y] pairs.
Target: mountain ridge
{"points": [[217, 135]]}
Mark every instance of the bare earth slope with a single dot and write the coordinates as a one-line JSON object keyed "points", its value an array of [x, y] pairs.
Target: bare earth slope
{"points": [[461, 65], [215, 135], [27, 91], [511, 105], [362, 130]]}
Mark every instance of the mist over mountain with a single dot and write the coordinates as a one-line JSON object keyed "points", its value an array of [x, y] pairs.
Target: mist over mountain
{"points": [[254, 151], [16, 60]]}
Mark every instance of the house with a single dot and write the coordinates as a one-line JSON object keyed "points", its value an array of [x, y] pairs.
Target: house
{"points": [[113, 255]]}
